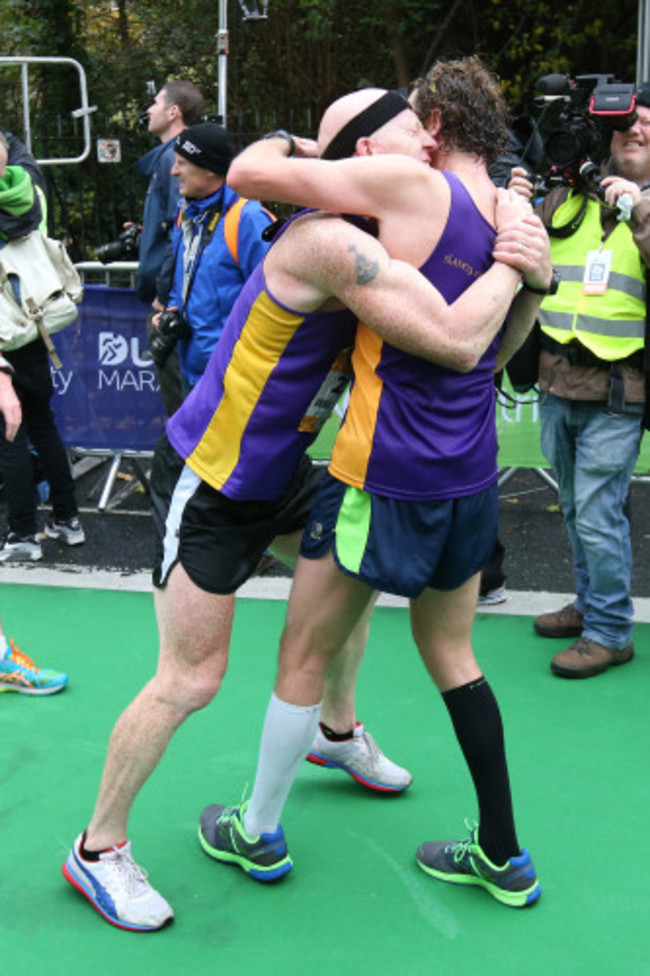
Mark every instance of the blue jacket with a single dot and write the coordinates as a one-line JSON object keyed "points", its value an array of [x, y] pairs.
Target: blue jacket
{"points": [[160, 206], [216, 279]]}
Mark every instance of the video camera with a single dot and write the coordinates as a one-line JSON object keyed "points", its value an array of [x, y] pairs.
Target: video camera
{"points": [[579, 116]]}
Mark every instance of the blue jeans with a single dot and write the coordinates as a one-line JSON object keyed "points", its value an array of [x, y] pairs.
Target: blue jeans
{"points": [[594, 452]]}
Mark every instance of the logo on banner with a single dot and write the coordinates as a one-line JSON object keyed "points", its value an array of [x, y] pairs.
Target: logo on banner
{"points": [[113, 349], [116, 350]]}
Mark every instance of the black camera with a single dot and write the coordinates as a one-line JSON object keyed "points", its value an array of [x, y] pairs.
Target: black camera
{"points": [[171, 327], [580, 116], [126, 246]]}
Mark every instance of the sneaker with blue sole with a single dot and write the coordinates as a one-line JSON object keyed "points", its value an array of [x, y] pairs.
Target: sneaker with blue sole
{"points": [[222, 836], [362, 759], [118, 888], [19, 673], [463, 862]]}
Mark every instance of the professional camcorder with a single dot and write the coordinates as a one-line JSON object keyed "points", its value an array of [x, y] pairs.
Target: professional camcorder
{"points": [[125, 247], [171, 327], [579, 116]]}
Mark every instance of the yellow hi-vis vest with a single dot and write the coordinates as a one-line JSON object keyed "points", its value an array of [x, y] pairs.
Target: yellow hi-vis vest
{"points": [[612, 325]]}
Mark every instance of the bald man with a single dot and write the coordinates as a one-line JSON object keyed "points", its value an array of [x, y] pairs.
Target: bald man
{"points": [[410, 502], [233, 479]]}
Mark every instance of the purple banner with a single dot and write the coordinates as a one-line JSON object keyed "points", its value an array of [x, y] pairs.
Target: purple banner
{"points": [[107, 394]]}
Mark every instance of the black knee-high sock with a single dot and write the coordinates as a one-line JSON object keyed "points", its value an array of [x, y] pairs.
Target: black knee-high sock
{"points": [[477, 722]]}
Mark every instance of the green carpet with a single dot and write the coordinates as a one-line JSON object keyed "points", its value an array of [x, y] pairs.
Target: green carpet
{"points": [[355, 902]]}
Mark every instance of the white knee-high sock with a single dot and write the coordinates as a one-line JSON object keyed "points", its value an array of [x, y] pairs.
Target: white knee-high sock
{"points": [[287, 736]]}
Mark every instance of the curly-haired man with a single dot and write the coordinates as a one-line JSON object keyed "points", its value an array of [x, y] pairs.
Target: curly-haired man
{"points": [[409, 504]]}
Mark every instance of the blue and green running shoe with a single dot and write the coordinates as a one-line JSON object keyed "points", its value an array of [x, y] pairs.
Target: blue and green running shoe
{"points": [[19, 673], [463, 862], [223, 837]]}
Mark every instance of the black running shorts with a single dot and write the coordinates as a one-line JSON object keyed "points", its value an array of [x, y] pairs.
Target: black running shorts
{"points": [[217, 540]]}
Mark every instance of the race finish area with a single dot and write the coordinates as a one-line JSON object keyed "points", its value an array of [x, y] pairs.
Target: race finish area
{"points": [[356, 901]]}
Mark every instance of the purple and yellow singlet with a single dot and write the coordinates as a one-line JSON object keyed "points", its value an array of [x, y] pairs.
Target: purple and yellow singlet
{"points": [[415, 430], [270, 384]]}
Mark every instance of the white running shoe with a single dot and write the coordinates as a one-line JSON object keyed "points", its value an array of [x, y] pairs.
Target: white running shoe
{"points": [[118, 888], [362, 759], [71, 531], [493, 597], [20, 548]]}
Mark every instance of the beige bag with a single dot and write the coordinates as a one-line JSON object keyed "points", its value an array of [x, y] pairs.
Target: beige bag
{"points": [[39, 291]]}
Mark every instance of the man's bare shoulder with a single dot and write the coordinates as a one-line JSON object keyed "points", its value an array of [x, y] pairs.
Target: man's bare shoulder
{"points": [[315, 229], [318, 255]]}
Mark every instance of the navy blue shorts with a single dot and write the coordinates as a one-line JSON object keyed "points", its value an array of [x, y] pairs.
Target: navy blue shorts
{"points": [[399, 546]]}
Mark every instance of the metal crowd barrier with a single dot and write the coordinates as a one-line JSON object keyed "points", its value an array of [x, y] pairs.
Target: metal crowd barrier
{"points": [[107, 402]]}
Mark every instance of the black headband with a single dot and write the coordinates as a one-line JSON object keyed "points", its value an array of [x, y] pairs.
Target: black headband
{"points": [[364, 124]]}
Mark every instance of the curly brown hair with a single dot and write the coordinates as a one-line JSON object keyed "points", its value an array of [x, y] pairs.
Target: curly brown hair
{"points": [[473, 110]]}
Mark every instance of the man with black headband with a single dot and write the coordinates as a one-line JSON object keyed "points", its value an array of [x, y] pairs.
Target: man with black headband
{"points": [[409, 504], [274, 376], [365, 123]]}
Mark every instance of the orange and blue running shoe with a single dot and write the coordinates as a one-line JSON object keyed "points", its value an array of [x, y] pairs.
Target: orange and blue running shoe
{"points": [[19, 673]]}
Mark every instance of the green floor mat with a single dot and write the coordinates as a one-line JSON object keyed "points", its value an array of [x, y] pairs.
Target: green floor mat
{"points": [[355, 903]]}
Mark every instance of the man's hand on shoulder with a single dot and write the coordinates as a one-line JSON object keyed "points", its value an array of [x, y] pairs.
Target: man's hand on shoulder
{"points": [[525, 246], [511, 207], [521, 182]]}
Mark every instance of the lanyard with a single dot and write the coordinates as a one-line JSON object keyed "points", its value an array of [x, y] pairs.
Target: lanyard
{"points": [[197, 246]]}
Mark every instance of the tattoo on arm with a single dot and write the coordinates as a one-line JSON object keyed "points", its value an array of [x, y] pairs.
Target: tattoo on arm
{"points": [[366, 269]]}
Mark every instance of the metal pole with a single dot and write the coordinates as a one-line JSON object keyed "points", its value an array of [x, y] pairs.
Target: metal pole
{"points": [[222, 52], [643, 43]]}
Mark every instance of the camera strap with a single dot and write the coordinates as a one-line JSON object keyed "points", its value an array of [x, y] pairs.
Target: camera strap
{"points": [[205, 235], [572, 226]]}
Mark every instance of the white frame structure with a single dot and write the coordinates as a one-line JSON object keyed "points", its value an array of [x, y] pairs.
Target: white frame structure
{"points": [[83, 112]]}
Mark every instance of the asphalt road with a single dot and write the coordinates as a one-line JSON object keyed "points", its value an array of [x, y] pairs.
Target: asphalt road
{"points": [[538, 556]]}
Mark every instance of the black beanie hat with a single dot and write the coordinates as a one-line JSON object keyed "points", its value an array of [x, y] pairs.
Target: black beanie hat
{"points": [[208, 145]]}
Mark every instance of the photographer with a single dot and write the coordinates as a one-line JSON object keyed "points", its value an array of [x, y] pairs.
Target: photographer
{"points": [[216, 245], [177, 105], [591, 374]]}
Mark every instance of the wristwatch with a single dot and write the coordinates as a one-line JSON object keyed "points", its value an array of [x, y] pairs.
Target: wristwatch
{"points": [[551, 290], [283, 134]]}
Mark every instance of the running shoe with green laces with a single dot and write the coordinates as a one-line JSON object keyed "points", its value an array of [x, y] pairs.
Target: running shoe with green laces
{"points": [[19, 673], [223, 837], [463, 862]]}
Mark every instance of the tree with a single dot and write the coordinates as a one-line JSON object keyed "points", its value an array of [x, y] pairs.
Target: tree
{"points": [[282, 72]]}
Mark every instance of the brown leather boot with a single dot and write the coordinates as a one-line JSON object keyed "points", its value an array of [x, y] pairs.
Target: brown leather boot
{"points": [[586, 659], [566, 622]]}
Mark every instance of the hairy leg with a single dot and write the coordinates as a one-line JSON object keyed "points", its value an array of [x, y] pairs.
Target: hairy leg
{"points": [[338, 709], [324, 608], [441, 621], [194, 629]]}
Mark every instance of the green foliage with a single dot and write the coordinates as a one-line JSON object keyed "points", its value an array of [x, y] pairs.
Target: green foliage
{"points": [[282, 71]]}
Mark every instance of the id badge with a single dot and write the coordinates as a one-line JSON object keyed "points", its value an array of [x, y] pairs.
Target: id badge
{"points": [[597, 270]]}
